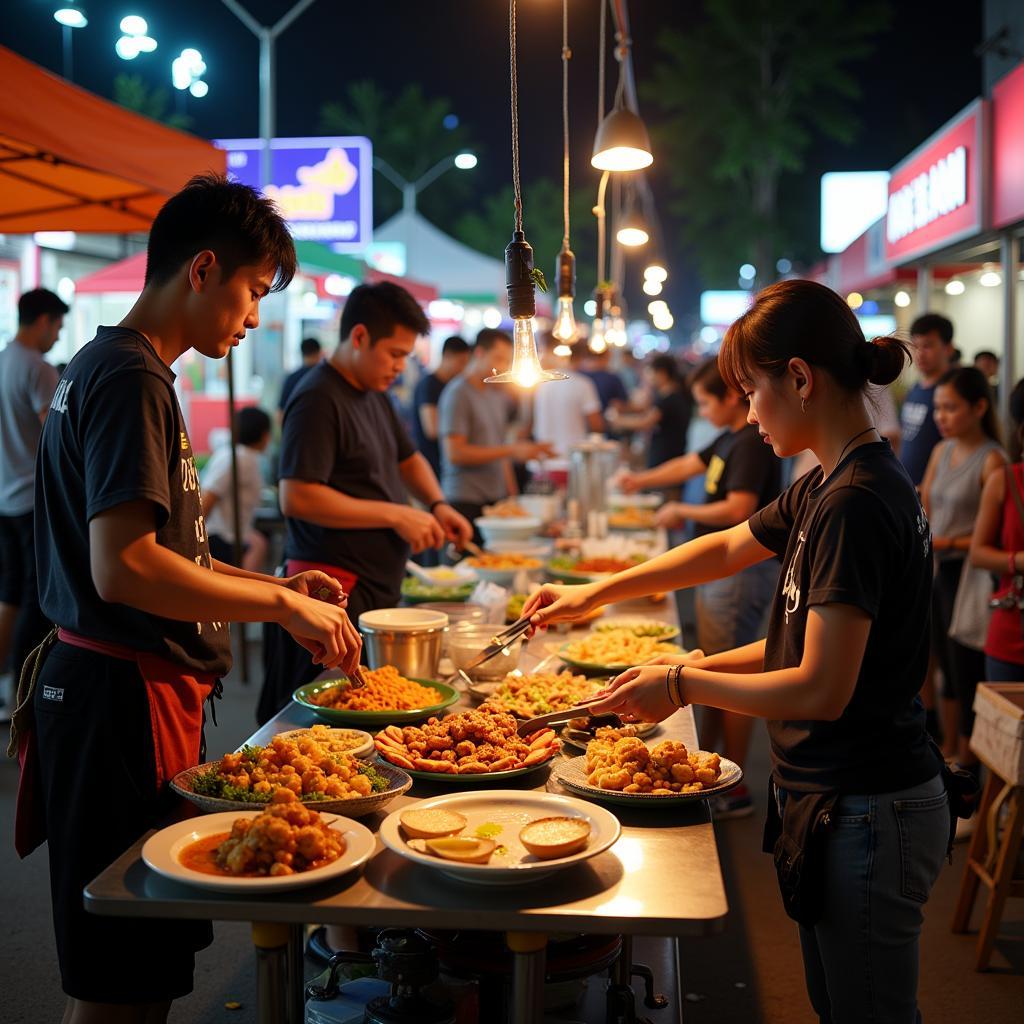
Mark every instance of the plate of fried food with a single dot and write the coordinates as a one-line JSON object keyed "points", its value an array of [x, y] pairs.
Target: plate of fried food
{"points": [[508, 508], [631, 518], [621, 768], [417, 591], [284, 846], [639, 625], [502, 567], [386, 697], [578, 732], [467, 747], [307, 763], [573, 569], [536, 693], [499, 837], [610, 651]]}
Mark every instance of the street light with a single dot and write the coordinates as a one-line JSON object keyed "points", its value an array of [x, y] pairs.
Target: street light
{"points": [[69, 17], [187, 70], [136, 38], [410, 189]]}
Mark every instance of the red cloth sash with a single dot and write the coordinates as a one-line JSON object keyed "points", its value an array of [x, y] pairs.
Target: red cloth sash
{"points": [[348, 580]]}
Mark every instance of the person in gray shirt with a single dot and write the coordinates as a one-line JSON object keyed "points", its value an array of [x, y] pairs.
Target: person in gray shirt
{"points": [[27, 386], [476, 456]]}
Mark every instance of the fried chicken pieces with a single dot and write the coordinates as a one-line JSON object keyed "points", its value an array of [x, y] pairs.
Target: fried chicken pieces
{"points": [[286, 838], [619, 761], [472, 742]]}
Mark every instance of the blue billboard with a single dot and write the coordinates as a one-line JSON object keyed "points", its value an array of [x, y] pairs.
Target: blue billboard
{"points": [[323, 186]]}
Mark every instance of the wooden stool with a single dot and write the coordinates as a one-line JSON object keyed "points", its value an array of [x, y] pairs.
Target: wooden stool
{"points": [[991, 858]]}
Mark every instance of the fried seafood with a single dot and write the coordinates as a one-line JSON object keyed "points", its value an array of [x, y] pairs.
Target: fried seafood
{"points": [[616, 760], [385, 690], [474, 742], [286, 838]]}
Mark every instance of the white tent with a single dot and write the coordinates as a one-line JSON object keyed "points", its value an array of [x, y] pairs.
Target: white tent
{"points": [[457, 271]]}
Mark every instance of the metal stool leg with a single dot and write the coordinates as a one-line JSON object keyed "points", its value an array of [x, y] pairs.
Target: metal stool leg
{"points": [[528, 949], [271, 942]]}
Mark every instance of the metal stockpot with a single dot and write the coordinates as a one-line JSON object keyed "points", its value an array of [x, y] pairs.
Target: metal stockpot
{"points": [[408, 638]]}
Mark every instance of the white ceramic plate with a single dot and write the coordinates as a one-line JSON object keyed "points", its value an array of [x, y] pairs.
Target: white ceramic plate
{"points": [[510, 809], [642, 499], [161, 852]]}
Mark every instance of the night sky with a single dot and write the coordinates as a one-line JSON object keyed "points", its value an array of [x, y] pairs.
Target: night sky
{"points": [[923, 73]]}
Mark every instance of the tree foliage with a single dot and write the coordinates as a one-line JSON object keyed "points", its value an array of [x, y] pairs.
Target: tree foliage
{"points": [[408, 132], [745, 94], [131, 91]]}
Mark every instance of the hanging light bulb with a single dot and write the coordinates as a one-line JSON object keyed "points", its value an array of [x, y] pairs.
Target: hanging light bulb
{"points": [[597, 342], [651, 287], [632, 231], [565, 318], [563, 351], [655, 272], [622, 143], [616, 332], [526, 370]]}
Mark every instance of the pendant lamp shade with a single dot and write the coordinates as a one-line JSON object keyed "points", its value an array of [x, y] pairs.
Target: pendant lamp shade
{"points": [[622, 143]]}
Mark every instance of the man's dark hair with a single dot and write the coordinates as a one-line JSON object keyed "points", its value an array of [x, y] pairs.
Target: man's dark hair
{"points": [[380, 308], [252, 424], [454, 346], [241, 227], [489, 337], [310, 347], [39, 302], [985, 353], [666, 364], [936, 322]]}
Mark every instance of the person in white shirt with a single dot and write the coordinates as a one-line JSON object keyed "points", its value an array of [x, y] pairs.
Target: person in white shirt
{"points": [[252, 430], [564, 413]]}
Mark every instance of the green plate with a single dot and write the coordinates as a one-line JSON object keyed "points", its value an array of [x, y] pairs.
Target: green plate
{"points": [[559, 571], [364, 719], [415, 591], [588, 668]]}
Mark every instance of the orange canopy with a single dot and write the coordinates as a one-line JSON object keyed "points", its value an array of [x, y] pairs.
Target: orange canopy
{"points": [[71, 161]]}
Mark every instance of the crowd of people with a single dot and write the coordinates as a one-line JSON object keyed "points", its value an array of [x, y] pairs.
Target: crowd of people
{"points": [[813, 599]]}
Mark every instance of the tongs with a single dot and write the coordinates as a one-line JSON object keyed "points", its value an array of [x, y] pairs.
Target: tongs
{"points": [[500, 641], [557, 717], [356, 678]]}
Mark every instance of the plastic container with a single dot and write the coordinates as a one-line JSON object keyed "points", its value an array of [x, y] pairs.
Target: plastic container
{"points": [[468, 640], [408, 638]]}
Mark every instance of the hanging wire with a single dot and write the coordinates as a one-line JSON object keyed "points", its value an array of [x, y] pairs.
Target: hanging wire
{"points": [[514, 81], [600, 63], [566, 54]]}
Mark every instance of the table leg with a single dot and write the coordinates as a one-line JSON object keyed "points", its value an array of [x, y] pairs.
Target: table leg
{"points": [[296, 1001], [528, 968], [271, 942]]}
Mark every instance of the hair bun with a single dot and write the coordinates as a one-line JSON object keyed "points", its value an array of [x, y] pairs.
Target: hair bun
{"points": [[885, 358]]}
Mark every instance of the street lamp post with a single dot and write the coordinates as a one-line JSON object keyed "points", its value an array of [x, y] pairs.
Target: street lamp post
{"points": [[410, 189], [267, 35], [69, 17]]}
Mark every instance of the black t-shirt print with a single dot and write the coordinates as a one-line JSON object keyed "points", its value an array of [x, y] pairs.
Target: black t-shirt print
{"points": [[115, 434], [738, 460], [859, 538], [352, 441]]}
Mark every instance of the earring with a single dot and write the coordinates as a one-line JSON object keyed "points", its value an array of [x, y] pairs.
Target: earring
{"points": [[803, 404]]}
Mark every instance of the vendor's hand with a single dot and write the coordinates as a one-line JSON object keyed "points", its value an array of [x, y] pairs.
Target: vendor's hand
{"points": [[629, 483], [419, 529], [638, 693], [318, 585], [557, 603], [670, 515], [524, 451], [325, 630], [689, 658], [457, 528]]}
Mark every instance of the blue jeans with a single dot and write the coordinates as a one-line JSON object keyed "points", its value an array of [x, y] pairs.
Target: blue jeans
{"points": [[999, 671], [882, 856], [732, 612]]}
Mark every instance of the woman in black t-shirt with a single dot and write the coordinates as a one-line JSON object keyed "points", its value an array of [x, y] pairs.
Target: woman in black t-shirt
{"points": [[859, 818], [741, 475]]}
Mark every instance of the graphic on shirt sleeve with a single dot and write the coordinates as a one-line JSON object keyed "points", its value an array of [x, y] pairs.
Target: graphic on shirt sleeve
{"points": [[790, 589], [914, 415], [60, 396], [924, 531]]}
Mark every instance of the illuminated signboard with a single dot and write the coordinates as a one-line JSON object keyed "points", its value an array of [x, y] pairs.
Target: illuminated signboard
{"points": [[323, 186], [721, 308], [937, 194], [851, 201]]}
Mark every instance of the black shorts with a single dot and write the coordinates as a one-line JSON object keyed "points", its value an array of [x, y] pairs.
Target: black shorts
{"points": [[98, 785]]}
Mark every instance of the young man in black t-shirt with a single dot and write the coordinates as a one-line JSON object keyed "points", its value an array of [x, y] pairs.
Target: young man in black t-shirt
{"points": [[347, 469], [143, 610]]}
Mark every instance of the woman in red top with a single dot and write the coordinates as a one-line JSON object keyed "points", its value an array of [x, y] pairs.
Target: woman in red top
{"points": [[998, 545]]}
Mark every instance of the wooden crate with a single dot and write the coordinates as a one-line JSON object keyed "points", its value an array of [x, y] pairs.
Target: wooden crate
{"points": [[998, 736]]}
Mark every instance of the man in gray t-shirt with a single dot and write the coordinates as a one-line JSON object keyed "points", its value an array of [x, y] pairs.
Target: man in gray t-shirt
{"points": [[27, 385], [473, 421]]}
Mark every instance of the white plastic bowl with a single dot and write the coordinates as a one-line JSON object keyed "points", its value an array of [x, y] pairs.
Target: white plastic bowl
{"points": [[544, 507], [513, 528]]}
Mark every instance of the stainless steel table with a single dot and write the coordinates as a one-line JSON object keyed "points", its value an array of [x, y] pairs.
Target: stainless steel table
{"points": [[662, 878]]}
